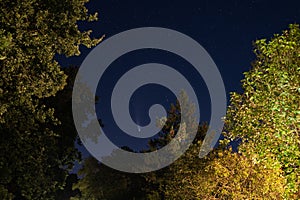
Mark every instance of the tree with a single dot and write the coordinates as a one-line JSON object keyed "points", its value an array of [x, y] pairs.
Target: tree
{"points": [[228, 175], [32, 163], [162, 184], [172, 124], [66, 151], [267, 115], [101, 182]]}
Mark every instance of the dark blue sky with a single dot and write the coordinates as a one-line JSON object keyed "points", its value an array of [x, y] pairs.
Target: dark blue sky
{"points": [[226, 29]]}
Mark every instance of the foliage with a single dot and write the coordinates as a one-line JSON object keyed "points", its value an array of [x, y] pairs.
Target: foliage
{"points": [[229, 175], [32, 160], [177, 178], [221, 175], [162, 184], [267, 115], [102, 182], [173, 123]]}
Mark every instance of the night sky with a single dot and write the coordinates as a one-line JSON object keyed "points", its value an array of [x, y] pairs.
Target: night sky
{"points": [[226, 29]]}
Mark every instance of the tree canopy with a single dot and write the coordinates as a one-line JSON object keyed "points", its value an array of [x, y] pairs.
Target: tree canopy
{"points": [[267, 115], [32, 163]]}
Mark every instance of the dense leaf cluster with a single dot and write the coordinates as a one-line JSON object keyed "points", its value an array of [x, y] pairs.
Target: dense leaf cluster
{"points": [[267, 115], [32, 163]]}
